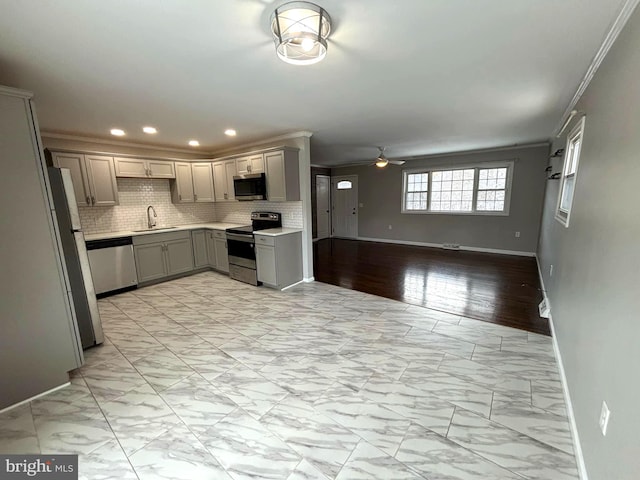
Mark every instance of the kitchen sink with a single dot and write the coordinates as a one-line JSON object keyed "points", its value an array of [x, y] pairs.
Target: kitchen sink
{"points": [[154, 229]]}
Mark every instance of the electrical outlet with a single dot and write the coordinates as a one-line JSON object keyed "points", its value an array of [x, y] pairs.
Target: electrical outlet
{"points": [[390, 227], [361, 205], [551, 271], [604, 418], [517, 234]]}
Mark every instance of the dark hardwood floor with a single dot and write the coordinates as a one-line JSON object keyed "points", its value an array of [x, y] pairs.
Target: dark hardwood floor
{"points": [[502, 289]]}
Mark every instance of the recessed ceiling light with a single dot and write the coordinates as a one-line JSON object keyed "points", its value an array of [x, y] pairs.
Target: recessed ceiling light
{"points": [[194, 143], [230, 132], [117, 132], [150, 130]]}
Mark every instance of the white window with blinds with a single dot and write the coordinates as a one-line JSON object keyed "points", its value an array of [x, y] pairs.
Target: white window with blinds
{"points": [[470, 189], [569, 172]]}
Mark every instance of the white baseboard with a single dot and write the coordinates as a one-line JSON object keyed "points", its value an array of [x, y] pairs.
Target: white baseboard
{"points": [[439, 245], [577, 448], [308, 279], [544, 289], [291, 286], [35, 397]]}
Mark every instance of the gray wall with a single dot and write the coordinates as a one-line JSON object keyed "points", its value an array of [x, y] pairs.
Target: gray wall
{"points": [[594, 291], [380, 192]]}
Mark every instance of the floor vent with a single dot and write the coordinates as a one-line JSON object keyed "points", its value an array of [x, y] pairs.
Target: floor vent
{"points": [[451, 246]]}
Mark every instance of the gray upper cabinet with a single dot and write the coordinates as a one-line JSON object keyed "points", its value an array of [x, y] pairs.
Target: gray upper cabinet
{"points": [[93, 176], [220, 181], [142, 168], [102, 180], [182, 188], [194, 183], [250, 164], [223, 173], [202, 182], [231, 171], [283, 175]]}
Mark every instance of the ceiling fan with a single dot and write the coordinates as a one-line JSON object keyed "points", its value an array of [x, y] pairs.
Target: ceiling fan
{"points": [[382, 161]]}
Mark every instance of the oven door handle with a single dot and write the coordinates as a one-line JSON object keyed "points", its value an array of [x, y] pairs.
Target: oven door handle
{"points": [[240, 238]]}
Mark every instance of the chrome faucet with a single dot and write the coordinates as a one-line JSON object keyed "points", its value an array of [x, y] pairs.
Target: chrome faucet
{"points": [[150, 219]]}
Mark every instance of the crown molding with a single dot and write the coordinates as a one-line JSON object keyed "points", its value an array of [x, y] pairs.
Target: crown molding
{"points": [[279, 138], [614, 31], [120, 143], [15, 92], [447, 154]]}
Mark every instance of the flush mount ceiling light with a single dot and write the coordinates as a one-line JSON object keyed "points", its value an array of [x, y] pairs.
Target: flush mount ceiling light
{"points": [[117, 132], [230, 132], [300, 31], [150, 130], [194, 143]]}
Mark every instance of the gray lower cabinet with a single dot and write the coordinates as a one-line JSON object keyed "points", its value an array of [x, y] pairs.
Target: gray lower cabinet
{"points": [[279, 259], [179, 255], [200, 240], [163, 254], [150, 263], [217, 250], [266, 264], [220, 247], [211, 249]]}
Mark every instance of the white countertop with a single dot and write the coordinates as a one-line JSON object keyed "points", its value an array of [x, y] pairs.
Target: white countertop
{"points": [[274, 232], [192, 226]]}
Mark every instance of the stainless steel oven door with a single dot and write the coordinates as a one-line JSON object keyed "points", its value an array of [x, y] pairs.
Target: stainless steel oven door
{"points": [[241, 249]]}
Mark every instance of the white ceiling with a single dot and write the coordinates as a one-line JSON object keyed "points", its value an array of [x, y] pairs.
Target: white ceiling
{"points": [[419, 76]]}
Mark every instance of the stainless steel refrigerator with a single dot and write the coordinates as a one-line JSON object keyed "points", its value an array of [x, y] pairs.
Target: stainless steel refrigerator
{"points": [[75, 257]]}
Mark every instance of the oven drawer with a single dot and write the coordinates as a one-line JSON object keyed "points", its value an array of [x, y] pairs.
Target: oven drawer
{"points": [[265, 240]]}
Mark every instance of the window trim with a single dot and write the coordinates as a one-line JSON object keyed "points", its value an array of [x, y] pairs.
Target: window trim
{"points": [[577, 132], [509, 164]]}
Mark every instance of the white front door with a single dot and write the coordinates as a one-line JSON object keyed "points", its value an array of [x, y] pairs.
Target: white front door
{"points": [[323, 215], [344, 199]]}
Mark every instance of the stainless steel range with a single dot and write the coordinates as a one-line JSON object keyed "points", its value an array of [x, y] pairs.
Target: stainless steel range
{"points": [[241, 246]]}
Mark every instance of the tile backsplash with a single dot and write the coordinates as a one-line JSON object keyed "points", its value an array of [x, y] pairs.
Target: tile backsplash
{"points": [[136, 194], [240, 212]]}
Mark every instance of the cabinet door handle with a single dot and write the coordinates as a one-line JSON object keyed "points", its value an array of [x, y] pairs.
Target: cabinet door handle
{"points": [[93, 200], [88, 200], [226, 196], [150, 173], [195, 197], [179, 197]]}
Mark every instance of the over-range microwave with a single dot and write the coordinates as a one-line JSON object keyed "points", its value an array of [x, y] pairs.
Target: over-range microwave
{"points": [[252, 186]]}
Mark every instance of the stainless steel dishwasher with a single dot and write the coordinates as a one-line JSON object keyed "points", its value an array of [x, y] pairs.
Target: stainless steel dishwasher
{"points": [[113, 266]]}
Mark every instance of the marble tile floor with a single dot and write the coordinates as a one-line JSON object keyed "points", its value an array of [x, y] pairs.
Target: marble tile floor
{"points": [[207, 378]]}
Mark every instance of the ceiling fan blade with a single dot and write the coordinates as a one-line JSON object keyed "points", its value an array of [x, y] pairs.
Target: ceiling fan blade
{"points": [[397, 162]]}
